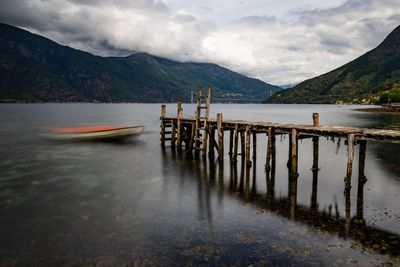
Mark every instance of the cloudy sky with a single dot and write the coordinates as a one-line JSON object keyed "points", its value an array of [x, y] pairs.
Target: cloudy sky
{"points": [[278, 41]]}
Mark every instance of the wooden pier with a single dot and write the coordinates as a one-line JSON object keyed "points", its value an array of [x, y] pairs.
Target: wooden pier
{"points": [[205, 136]]}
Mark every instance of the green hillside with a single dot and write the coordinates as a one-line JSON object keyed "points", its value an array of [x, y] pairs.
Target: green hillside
{"points": [[36, 69], [358, 79]]}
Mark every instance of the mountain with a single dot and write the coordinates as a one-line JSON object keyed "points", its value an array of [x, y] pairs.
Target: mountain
{"points": [[36, 69], [355, 80]]}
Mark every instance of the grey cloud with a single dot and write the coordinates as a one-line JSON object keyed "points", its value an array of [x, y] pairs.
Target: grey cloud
{"points": [[258, 20], [184, 18], [281, 50], [137, 4]]}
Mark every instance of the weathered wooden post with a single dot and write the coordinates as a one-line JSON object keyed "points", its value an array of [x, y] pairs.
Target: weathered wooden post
{"points": [[254, 146], [293, 154], [247, 152], [315, 119], [243, 145], [273, 156], [269, 150], [350, 157], [192, 135], [163, 111], [231, 137], [179, 105], [162, 116], [235, 151], [211, 142], [197, 139], [208, 101], [179, 127], [361, 159], [173, 134], [315, 140], [220, 133], [361, 181]]}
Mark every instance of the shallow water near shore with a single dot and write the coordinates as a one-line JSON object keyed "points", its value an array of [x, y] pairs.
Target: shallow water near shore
{"points": [[133, 203]]}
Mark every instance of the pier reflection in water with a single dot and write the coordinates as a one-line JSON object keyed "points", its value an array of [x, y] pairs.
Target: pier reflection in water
{"points": [[241, 183]]}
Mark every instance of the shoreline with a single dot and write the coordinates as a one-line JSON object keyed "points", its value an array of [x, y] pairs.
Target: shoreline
{"points": [[380, 110]]}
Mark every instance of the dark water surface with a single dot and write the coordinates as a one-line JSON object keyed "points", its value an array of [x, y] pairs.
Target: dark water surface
{"points": [[133, 204]]}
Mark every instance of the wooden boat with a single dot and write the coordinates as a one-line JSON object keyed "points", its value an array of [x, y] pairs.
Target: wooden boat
{"points": [[94, 133]]}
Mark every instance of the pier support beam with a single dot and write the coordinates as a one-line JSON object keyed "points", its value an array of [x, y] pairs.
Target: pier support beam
{"points": [[162, 116], [350, 157], [315, 153], [247, 153], [243, 145], [163, 111], [236, 145], [179, 127], [269, 150], [220, 133], [192, 135], [361, 159], [173, 134], [362, 179], [231, 136], [293, 154], [211, 142], [315, 119], [254, 146]]}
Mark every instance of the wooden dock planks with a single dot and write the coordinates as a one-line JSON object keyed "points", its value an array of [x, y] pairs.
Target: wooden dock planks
{"points": [[376, 135]]}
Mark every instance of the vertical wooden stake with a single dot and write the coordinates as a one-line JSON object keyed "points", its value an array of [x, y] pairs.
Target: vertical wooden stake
{"points": [[179, 105], [162, 132], [269, 150], [273, 157], [293, 153], [192, 135], [211, 142], [179, 129], [361, 159], [315, 119], [173, 134], [231, 136], [220, 136], [242, 145], [208, 101], [235, 151], [205, 140], [315, 153], [254, 146], [247, 153], [350, 157], [163, 111]]}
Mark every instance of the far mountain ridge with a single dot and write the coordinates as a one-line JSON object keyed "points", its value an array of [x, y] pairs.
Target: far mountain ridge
{"points": [[36, 69], [355, 80]]}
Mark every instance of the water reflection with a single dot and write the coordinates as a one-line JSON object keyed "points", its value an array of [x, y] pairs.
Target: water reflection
{"points": [[242, 184]]}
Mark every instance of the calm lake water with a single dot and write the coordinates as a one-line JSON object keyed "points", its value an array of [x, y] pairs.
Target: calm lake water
{"points": [[133, 204]]}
